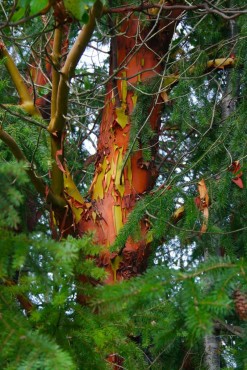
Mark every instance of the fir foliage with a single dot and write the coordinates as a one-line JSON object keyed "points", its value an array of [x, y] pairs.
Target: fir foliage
{"points": [[141, 133], [158, 320]]}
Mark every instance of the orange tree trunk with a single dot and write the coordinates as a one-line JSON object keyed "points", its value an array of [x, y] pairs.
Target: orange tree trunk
{"points": [[137, 53], [122, 176]]}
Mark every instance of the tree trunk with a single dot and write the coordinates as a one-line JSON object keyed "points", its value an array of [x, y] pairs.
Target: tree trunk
{"points": [[122, 175], [212, 355], [137, 54]]}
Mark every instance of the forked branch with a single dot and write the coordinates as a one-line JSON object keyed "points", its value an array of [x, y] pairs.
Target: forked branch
{"points": [[58, 122]]}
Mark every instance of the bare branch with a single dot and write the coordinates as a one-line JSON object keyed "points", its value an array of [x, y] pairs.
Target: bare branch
{"points": [[203, 7], [67, 72], [25, 97], [56, 55], [236, 330]]}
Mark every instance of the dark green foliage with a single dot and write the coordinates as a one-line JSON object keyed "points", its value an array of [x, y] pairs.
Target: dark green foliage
{"points": [[173, 310], [10, 196], [44, 272], [204, 145], [148, 320], [141, 134], [158, 320]]}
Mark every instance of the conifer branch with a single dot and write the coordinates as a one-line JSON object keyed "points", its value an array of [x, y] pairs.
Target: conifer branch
{"points": [[25, 303], [38, 183], [25, 118]]}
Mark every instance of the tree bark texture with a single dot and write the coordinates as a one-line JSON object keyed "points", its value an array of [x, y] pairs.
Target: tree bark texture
{"points": [[136, 52], [212, 355]]}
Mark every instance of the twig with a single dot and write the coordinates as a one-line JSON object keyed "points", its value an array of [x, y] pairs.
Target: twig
{"points": [[203, 7]]}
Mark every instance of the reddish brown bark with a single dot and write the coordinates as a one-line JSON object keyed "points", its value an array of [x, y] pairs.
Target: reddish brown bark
{"points": [[114, 192], [116, 361]]}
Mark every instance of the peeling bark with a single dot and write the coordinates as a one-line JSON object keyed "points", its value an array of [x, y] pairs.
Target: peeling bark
{"points": [[137, 51]]}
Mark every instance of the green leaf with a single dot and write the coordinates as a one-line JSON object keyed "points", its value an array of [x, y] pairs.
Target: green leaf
{"points": [[87, 83], [37, 6], [22, 7], [76, 8], [85, 18], [18, 14], [23, 3], [44, 90]]}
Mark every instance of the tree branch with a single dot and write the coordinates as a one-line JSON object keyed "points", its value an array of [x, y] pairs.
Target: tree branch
{"points": [[25, 97], [233, 13], [61, 92], [56, 55], [67, 72], [236, 330]]}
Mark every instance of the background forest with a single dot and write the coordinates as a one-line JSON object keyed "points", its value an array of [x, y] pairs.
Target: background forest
{"points": [[123, 215]]}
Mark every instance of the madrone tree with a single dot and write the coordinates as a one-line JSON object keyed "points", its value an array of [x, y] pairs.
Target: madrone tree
{"points": [[165, 187]]}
